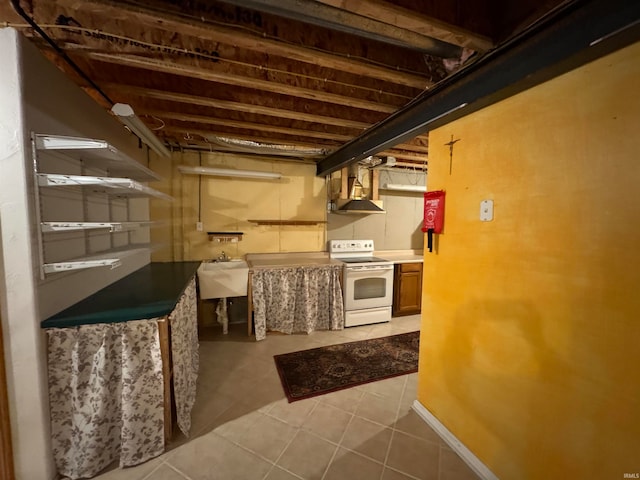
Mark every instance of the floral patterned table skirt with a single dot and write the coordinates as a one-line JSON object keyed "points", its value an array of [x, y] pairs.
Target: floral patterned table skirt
{"points": [[105, 395], [106, 391], [297, 299], [184, 353]]}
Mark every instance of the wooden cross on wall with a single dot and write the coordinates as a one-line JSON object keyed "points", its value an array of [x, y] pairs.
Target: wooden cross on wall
{"points": [[450, 145]]}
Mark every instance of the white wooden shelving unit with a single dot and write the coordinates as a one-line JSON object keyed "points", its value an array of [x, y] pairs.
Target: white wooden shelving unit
{"points": [[85, 200]]}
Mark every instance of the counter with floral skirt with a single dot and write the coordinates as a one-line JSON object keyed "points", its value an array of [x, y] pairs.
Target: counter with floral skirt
{"points": [[297, 299], [114, 360]]}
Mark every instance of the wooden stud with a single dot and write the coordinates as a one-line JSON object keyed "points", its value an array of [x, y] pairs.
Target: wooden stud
{"points": [[344, 186], [375, 184]]}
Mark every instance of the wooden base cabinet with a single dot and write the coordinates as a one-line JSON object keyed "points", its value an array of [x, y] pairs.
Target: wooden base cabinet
{"points": [[407, 289]]}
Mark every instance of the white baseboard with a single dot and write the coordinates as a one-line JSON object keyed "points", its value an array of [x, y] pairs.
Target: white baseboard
{"points": [[456, 445]]}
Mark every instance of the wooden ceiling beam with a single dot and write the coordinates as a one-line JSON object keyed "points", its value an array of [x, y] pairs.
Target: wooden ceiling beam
{"points": [[250, 64], [154, 17], [412, 148], [186, 70], [416, 158], [262, 127], [344, 20], [117, 88], [386, 11], [249, 138], [231, 152]]}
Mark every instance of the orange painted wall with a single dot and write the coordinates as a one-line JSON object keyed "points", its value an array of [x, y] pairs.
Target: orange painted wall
{"points": [[530, 346]]}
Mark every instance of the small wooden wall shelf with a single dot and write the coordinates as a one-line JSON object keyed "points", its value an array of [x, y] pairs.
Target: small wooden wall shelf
{"points": [[287, 222], [225, 237]]}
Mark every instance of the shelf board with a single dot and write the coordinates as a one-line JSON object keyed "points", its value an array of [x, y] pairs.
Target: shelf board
{"points": [[80, 265], [74, 226], [112, 186], [99, 153], [287, 222], [112, 259], [225, 237]]}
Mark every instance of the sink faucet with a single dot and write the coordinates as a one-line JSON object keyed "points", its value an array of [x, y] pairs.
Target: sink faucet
{"points": [[222, 257]]}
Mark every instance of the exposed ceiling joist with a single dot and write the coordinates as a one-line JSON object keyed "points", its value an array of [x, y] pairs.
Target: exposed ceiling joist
{"points": [[235, 106], [575, 34], [186, 70], [429, 26], [413, 148], [415, 158], [206, 120], [210, 135], [263, 84], [315, 13], [158, 18], [200, 143]]}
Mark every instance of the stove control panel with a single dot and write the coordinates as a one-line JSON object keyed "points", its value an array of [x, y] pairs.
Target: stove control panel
{"points": [[350, 246]]}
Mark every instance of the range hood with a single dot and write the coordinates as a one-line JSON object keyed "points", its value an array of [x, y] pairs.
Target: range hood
{"points": [[360, 205], [356, 203]]}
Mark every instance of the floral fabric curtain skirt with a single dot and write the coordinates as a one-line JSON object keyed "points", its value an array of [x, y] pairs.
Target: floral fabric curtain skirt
{"points": [[297, 299], [106, 392], [106, 395]]}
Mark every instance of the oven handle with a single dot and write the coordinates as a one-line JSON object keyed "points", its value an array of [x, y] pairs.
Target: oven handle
{"points": [[372, 267]]}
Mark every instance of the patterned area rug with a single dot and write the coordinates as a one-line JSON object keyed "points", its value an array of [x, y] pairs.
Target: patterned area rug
{"points": [[308, 373]]}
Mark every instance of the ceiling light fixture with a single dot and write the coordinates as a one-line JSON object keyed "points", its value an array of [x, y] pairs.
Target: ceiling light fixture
{"points": [[126, 115], [227, 172], [404, 188]]}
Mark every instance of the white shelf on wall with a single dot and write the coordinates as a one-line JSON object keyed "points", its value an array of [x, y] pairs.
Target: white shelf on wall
{"points": [[287, 222], [80, 265], [99, 154], [88, 198], [404, 188], [112, 186], [225, 237], [112, 259], [73, 226]]}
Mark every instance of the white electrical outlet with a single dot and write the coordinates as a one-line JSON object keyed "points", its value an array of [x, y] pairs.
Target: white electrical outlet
{"points": [[486, 210], [199, 226]]}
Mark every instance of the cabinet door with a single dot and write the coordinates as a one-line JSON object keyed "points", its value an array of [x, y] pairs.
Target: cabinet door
{"points": [[407, 289]]}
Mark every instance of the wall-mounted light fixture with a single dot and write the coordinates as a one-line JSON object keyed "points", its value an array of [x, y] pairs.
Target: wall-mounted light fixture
{"points": [[404, 188], [227, 172], [126, 115]]}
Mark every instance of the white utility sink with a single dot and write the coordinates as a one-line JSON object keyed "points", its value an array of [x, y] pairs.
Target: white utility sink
{"points": [[223, 279]]}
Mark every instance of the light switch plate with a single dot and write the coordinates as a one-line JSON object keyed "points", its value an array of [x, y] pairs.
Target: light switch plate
{"points": [[199, 227], [486, 210]]}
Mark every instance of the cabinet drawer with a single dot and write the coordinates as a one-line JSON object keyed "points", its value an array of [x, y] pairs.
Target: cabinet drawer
{"points": [[410, 267]]}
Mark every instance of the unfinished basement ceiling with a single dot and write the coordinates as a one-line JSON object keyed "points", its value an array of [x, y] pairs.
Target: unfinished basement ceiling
{"points": [[282, 78]]}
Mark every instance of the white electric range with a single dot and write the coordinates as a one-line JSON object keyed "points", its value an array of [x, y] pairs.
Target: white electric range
{"points": [[367, 282]]}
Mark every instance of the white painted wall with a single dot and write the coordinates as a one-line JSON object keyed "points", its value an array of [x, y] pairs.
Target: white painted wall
{"points": [[36, 97], [24, 346], [54, 105]]}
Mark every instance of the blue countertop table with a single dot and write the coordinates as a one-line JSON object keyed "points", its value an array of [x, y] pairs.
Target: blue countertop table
{"points": [[150, 292]]}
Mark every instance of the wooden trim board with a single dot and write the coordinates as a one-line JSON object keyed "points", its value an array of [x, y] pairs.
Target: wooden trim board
{"points": [[456, 445]]}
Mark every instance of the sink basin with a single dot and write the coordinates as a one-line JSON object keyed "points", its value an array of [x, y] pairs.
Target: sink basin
{"points": [[223, 279]]}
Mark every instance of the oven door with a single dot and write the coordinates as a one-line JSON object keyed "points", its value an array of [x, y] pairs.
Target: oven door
{"points": [[368, 286]]}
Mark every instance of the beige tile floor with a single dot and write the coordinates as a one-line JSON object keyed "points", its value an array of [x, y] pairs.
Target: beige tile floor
{"points": [[243, 427]]}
